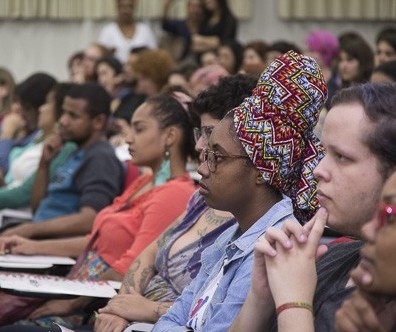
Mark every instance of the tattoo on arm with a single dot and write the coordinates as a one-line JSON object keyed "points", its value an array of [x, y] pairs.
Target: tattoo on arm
{"points": [[145, 277], [129, 281]]}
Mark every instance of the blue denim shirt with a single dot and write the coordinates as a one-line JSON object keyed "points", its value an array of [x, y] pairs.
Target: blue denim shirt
{"points": [[234, 285]]}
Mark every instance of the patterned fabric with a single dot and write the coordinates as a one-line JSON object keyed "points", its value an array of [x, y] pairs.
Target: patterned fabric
{"points": [[93, 267], [175, 272], [275, 126]]}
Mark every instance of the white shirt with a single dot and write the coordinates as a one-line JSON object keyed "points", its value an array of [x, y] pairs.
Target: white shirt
{"points": [[112, 37]]}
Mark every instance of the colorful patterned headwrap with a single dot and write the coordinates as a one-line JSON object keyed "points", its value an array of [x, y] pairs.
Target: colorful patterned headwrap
{"points": [[275, 126]]}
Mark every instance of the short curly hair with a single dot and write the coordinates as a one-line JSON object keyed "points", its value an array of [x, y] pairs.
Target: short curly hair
{"points": [[156, 65]]}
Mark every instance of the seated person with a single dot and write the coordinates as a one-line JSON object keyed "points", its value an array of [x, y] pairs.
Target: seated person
{"points": [[384, 73], [255, 143], [310, 292], [371, 307], [158, 276], [204, 77], [86, 182], [16, 194], [161, 138], [19, 127]]}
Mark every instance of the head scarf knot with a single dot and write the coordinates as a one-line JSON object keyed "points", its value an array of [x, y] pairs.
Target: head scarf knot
{"points": [[275, 126]]}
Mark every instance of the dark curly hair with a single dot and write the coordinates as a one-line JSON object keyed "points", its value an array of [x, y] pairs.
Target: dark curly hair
{"points": [[229, 93]]}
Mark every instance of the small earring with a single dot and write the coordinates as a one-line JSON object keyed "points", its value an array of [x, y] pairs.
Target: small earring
{"points": [[167, 153], [260, 179]]}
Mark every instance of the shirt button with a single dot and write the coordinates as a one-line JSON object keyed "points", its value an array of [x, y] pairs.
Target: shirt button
{"points": [[203, 322], [233, 246]]}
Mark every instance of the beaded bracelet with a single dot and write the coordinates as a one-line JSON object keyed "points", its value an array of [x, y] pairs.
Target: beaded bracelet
{"points": [[289, 305]]}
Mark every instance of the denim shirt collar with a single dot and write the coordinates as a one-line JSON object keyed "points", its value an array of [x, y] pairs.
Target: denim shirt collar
{"points": [[237, 246], [231, 246]]}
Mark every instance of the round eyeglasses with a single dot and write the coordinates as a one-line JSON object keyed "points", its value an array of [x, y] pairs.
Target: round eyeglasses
{"points": [[212, 158]]}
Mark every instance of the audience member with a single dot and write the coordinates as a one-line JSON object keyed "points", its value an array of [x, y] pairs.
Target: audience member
{"points": [[87, 181], [359, 135], [183, 28], [126, 33], [128, 99], [280, 47], [254, 58], [372, 306], [323, 46], [356, 62], [19, 127], [92, 54], [385, 45], [251, 144], [175, 257], [75, 67], [125, 101], [162, 139], [230, 56], [180, 76], [7, 86], [108, 73], [205, 77], [152, 68], [17, 191], [209, 57], [218, 25], [384, 73]]}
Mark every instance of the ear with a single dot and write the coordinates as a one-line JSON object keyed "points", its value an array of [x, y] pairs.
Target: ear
{"points": [[172, 135], [99, 122], [260, 179]]}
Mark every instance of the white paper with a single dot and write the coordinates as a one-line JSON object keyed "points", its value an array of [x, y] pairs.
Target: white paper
{"points": [[37, 259], [24, 266], [45, 284], [115, 284], [21, 214]]}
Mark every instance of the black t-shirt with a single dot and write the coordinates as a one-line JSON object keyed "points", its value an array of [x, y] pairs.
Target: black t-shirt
{"points": [[225, 29], [333, 271]]}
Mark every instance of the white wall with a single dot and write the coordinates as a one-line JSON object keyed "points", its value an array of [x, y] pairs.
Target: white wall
{"points": [[28, 46]]}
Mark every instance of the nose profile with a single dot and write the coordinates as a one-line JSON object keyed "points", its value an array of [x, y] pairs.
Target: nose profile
{"points": [[203, 168], [370, 230]]}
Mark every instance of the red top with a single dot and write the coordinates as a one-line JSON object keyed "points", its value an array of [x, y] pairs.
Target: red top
{"points": [[125, 230]]}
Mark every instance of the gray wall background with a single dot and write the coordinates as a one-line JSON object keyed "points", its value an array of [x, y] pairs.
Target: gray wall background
{"points": [[28, 46]]}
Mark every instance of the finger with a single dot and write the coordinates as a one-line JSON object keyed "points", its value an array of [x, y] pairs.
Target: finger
{"points": [[322, 249], [310, 224], [318, 227], [361, 277], [6, 242], [275, 235], [292, 228], [39, 312], [262, 247], [111, 308], [342, 322], [367, 314], [21, 249]]}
